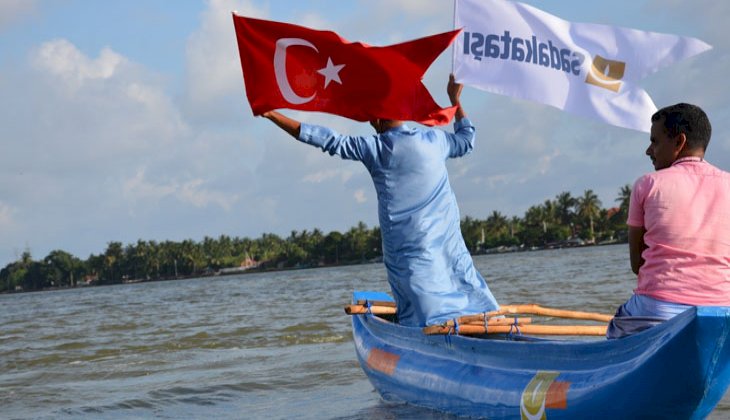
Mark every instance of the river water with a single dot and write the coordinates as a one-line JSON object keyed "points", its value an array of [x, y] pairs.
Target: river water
{"points": [[264, 345]]}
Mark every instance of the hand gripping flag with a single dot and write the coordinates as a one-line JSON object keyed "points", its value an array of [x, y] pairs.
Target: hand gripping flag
{"points": [[586, 69], [290, 66]]}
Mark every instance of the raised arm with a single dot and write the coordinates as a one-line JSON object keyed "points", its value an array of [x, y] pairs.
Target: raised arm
{"points": [[287, 124], [347, 147], [461, 142], [454, 91]]}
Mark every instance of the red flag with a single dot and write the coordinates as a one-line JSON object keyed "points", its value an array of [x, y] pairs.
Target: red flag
{"points": [[290, 66]]}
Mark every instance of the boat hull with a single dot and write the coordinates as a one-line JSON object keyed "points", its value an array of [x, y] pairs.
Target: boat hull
{"points": [[678, 369]]}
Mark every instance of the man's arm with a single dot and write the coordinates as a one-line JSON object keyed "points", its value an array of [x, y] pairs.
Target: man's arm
{"points": [[287, 124], [636, 247], [461, 142], [454, 91], [347, 147]]}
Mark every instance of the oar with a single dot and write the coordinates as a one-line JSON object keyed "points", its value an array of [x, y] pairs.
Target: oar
{"points": [[533, 309], [374, 309], [377, 302], [471, 329]]}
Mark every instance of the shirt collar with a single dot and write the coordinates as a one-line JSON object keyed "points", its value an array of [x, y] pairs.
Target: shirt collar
{"points": [[688, 159], [400, 129]]}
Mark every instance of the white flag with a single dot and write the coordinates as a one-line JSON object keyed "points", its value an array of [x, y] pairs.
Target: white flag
{"points": [[586, 69]]}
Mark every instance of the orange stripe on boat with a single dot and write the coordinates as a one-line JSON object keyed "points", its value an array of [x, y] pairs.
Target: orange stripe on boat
{"points": [[383, 361], [557, 395]]}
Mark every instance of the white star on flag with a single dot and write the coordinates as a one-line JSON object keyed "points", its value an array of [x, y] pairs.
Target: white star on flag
{"points": [[331, 72]]}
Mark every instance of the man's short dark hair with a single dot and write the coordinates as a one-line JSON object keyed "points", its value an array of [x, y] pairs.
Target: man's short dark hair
{"points": [[688, 119]]}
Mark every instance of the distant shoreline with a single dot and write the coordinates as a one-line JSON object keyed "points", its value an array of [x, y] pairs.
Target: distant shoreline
{"points": [[495, 251]]}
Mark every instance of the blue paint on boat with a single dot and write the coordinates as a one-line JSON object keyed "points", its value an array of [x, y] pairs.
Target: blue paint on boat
{"points": [[678, 369]]}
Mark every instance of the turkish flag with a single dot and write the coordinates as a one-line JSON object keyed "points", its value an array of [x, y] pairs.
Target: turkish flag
{"points": [[290, 66]]}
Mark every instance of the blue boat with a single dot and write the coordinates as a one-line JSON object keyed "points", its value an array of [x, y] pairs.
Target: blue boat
{"points": [[677, 370]]}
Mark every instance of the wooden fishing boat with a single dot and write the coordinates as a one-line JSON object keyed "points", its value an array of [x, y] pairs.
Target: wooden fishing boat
{"points": [[678, 369]]}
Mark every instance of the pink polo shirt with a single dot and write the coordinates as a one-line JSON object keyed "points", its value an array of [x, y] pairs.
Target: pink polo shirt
{"points": [[685, 210]]}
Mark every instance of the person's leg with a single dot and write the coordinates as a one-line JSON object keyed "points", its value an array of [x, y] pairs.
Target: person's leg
{"points": [[639, 313]]}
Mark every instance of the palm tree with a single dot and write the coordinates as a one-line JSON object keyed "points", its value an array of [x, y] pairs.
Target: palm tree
{"points": [[60, 268], [535, 232], [497, 222], [589, 207], [624, 198], [497, 228], [564, 207], [112, 262], [357, 238]]}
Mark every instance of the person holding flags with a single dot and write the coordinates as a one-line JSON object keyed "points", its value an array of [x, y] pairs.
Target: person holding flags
{"points": [[430, 270], [679, 225]]}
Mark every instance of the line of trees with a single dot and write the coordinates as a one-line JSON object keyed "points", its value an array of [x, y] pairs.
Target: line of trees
{"points": [[552, 223]]}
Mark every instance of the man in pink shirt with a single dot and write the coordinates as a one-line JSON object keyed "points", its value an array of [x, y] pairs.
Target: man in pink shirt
{"points": [[679, 225]]}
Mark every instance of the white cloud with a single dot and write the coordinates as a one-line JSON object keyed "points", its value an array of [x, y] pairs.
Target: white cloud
{"points": [[107, 106], [77, 127], [545, 162], [213, 63], [161, 119], [62, 59], [315, 21], [360, 196], [6, 216], [321, 176], [191, 192], [138, 188]]}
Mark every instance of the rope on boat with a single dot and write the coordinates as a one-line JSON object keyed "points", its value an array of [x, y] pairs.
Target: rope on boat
{"points": [[514, 327]]}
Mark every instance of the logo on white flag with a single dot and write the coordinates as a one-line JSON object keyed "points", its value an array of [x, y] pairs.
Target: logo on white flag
{"points": [[606, 73]]}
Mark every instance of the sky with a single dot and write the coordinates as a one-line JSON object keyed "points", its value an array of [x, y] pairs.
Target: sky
{"points": [[128, 120]]}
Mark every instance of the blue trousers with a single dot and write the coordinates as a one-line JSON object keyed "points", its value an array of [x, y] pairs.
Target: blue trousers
{"points": [[641, 312]]}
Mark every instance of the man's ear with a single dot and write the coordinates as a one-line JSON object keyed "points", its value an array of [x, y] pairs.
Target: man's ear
{"points": [[680, 141]]}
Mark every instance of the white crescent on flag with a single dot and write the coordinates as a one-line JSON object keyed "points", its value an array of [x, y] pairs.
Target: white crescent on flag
{"points": [[330, 71], [280, 69]]}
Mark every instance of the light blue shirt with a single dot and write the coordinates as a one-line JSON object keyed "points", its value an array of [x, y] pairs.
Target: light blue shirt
{"points": [[430, 270]]}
